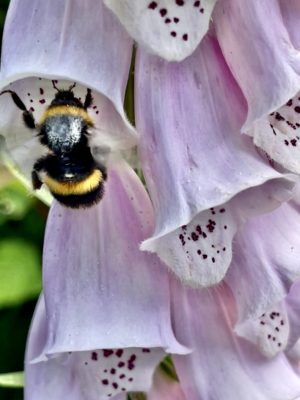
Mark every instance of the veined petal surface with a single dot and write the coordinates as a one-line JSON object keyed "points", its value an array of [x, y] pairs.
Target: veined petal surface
{"points": [[74, 43], [93, 375], [171, 29], [100, 290], [254, 37], [223, 366], [266, 261], [195, 160]]}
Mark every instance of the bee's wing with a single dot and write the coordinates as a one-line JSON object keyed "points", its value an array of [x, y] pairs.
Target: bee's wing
{"points": [[106, 147]]}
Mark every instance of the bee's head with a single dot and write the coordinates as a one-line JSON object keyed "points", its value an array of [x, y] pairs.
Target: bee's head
{"points": [[66, 97]]}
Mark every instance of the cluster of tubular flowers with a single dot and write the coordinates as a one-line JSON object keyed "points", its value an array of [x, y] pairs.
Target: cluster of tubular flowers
{"points": [[204, 265]]}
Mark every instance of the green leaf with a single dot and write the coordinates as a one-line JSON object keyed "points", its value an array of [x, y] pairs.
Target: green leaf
{"points": [[137, 396], [168, 367], [20, 276], [12, 380], [14, 201]]}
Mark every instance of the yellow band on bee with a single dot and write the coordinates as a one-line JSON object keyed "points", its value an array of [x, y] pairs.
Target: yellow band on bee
{"points": [[74, 188], [67, 110]]}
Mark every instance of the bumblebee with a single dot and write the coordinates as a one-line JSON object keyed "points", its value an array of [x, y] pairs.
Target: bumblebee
{"points": [[69, 170]]}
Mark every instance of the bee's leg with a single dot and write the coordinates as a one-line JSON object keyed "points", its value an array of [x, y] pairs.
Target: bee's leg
{"points": [[88, 99], [27, 115], [36, 182], [38, 166]]}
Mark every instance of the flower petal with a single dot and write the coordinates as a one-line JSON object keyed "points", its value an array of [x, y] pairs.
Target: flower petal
{"points": [[270, 332], [266, 261], [165, 388], [99, 374], [267, 67], [290, 12], [292, 303], [223, 366], [100, 290], [170, 29], [80, 51], [194, 159], [261, 58], [201, 251]]}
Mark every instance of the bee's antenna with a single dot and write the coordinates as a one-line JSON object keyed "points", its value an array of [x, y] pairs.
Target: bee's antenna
{"points": [[54, 85], [72, 86]]}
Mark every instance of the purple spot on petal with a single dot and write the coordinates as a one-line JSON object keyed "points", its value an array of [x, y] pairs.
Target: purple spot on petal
{"points": [[107, 352], [176, 20], [41, 91], [119, 353], [185, 37], [94, 356], [132, 358], [163, 12], [297, 109], [179, 2], [194, 236], [42, 101], [115, 385], [174, 34], [146, 350], [152, 5], [104, 381], [294, 142]]}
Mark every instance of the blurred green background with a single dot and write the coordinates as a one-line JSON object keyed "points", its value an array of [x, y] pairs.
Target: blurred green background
{"points": [[22, 222]]}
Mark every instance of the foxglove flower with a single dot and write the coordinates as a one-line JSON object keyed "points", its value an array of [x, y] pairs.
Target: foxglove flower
{"points": [[261, 43], [223, 365], [104, 323], [264, 279], [65, 52], [204, 178], [95, 278]]}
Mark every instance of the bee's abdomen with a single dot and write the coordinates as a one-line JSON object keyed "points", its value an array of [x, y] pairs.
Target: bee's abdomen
{"points": [[78, 193], [83, 200]]}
